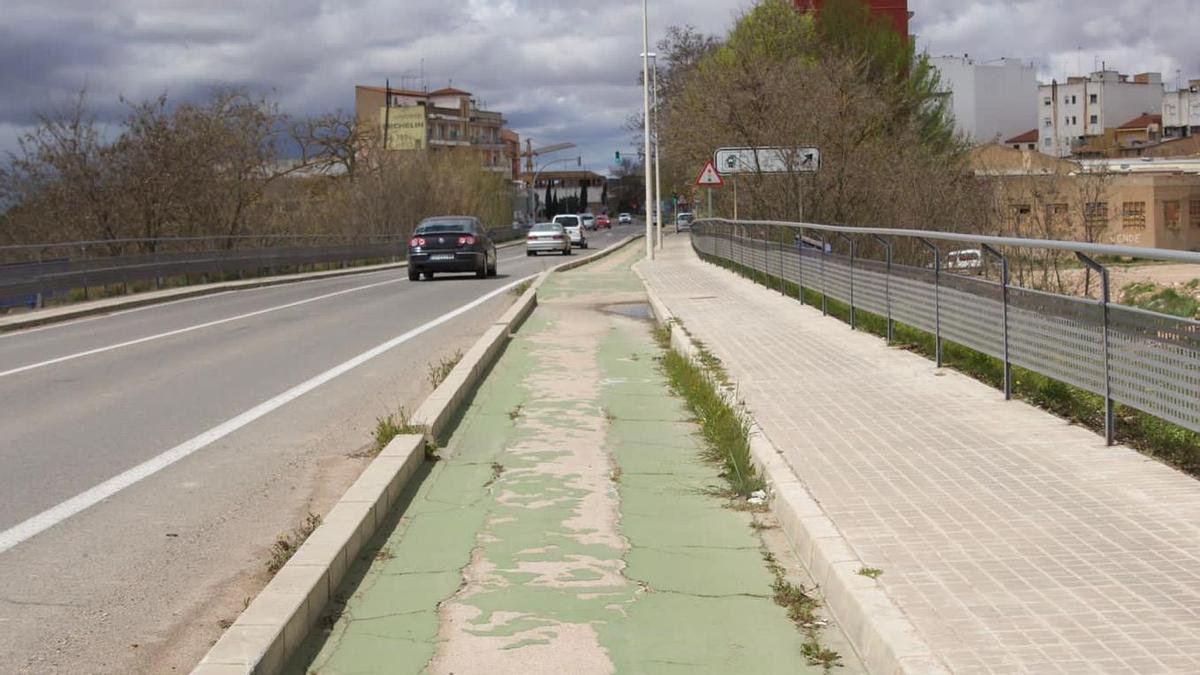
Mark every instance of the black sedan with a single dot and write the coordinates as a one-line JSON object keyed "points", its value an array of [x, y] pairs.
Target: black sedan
{"points": [[451, 244]]}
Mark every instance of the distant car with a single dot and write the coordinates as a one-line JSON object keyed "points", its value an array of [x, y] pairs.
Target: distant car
{"points": [[589, 221], [683, 221], [573, 225], [548, 238], [451, 244], [602, 221], [966, 261], [625, 219]]}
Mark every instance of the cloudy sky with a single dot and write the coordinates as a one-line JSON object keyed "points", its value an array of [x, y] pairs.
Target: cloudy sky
{"points": [[560, 70]]}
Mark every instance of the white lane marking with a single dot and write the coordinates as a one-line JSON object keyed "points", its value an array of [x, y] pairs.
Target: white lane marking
{"points": [[84, 500], [188, 329]]}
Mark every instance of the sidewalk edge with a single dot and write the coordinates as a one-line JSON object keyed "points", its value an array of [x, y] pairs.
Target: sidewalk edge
{"points": [[878, 629], [275, 624]]}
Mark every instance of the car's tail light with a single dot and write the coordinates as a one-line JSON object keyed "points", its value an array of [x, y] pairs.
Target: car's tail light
{"points": [[559, 237], [466, 241], [416, 241]]}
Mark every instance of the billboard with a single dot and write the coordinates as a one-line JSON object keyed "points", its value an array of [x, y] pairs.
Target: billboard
{"points": [[405, 127]]}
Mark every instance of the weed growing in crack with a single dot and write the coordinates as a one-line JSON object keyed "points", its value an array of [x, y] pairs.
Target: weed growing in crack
{"points": [[519, 290], [515, 413], [801, 609], [286, 545], [609, 416], [389, 427], [438, 372], [870, 572], [726, 431]]}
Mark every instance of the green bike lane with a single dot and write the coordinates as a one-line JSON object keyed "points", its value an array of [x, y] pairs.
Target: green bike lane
{"points": [[570, 526]]}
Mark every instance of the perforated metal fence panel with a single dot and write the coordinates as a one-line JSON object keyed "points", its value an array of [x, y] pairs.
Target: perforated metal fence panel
{"points": [[1153, 359]]}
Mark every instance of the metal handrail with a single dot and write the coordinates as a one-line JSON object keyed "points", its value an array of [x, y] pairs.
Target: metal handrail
{"points": [[163, 240], [1140, 358], [1192, 257]]}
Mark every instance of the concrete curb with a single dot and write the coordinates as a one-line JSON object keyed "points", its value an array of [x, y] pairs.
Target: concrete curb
{"points": [[275, 624], [79, 310], [880, 632]]}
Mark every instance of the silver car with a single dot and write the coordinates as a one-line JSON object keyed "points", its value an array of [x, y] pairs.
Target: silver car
{"points": [[573, 225], [547, 237]]}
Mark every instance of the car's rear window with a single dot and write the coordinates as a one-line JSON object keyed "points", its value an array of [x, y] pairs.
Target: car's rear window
{"points": [[546, 227], [445, 227], [567, 221]]}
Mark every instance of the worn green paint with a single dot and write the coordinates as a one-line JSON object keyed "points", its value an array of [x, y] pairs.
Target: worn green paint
{"points": [[691, 593]]}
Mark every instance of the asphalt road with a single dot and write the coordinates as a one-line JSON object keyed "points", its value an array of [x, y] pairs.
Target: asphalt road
{"points": [[148, 458]]}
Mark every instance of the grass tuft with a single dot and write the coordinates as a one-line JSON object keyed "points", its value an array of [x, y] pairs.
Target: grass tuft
{"points": [[726, 431], [438, 372], [286, 545], [870, 572], [519, 290], [390, 426]]}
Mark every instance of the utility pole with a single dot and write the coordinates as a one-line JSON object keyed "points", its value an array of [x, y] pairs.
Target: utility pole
{"points": [[646, 129], [657, 174]]}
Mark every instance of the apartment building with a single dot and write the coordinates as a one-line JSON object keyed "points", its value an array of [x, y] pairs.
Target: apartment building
{"points": [[1181, 111], [1069, 114], [989, 100], [445, 118]]}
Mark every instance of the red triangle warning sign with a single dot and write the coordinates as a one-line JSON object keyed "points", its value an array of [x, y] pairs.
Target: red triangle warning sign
{"points": [[709, 176]]}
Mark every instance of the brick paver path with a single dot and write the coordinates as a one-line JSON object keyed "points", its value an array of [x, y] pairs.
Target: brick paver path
{"points": [[1015, 542]]}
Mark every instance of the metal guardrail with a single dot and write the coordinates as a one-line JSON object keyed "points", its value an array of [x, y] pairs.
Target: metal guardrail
{"points": [[30, 274], [1142, 359]]}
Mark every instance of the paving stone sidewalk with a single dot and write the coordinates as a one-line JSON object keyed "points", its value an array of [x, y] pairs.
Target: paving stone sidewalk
{"points": [[1015, 542]]}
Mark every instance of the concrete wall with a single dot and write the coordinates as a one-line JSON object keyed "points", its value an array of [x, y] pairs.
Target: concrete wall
{"points": [[989, 100]]}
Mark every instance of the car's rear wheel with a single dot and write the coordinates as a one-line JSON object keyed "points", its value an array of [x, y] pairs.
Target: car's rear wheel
{"points": [[413, 274], [529, 253], [428, 276], [481, 273], [492, 269], [567, 251]]}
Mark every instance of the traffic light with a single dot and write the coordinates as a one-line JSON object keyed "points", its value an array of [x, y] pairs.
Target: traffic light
{"points": [[617, 158]]}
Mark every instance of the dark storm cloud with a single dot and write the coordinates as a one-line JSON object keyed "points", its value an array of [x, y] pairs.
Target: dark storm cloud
{"points": [[560, 70]]}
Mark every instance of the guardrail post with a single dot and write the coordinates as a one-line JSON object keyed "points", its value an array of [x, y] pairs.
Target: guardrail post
{"points": [[824, 296], [1109, 417], [1004, 308], [937, 299], [887, 285], [800, 267], [853, 314]]}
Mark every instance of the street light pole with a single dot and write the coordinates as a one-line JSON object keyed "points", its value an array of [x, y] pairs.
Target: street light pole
{"points": [[533, 183], [657, 174], [646, 129]]}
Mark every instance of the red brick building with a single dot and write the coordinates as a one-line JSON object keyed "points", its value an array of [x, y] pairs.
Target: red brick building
{"points": [[895, 10]]}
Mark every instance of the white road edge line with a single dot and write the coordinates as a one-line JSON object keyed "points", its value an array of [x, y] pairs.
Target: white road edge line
{"points": [[84, 500], [188, 329]]}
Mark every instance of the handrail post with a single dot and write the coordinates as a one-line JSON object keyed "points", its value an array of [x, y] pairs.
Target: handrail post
{"points": [[937, 298], [1004, 308], [824, 295], [853, 315], [1109, 417], [782, 264], [800, 266], [887, 285]]}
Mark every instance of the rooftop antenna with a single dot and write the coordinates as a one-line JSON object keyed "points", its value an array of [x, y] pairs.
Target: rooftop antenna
{"points": [[424, 84]]}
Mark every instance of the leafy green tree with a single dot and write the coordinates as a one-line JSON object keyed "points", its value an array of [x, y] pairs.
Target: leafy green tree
{"points": [[583, 195]]}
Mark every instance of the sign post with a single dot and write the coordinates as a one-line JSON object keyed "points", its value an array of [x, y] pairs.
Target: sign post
{"points": [[709, 178], [768, 159]]}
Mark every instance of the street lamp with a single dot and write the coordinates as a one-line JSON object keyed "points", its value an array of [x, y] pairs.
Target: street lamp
{"points": [[533, 182], [646, 124]]}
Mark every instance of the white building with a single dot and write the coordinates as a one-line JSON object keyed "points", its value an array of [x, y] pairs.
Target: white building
{"points": [[1087, 106], [1181, 111], [990, 101]]}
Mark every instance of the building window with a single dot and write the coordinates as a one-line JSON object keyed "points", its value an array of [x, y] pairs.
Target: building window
{"points": [[1046, 122], [1066, 100], [1095, 217], [1046, 101], [1072, 100], [1133, 215], [1074, 119], [1171, 214], [1067, 119], [1020, 214], [1046, 141], [1094, 98], [1095, 119], [1194, 212], [1056, 215]]}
